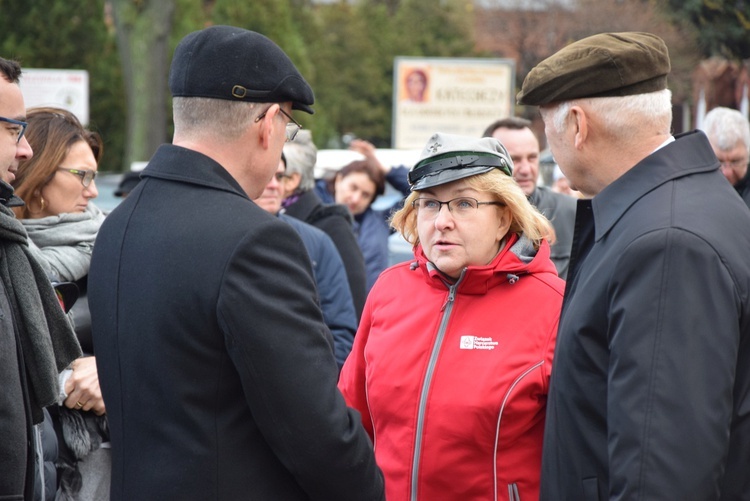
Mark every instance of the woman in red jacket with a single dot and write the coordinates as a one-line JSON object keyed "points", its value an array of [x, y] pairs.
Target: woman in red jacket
{"points": [[450, 365]]}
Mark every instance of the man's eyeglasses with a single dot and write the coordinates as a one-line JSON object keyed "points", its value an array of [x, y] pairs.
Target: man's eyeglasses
{"points": [[292, 128], [733, 164], [462, 207], [86, 175], [18, 130]]}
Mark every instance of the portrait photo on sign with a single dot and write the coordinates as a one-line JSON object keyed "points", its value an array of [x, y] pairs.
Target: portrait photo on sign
{"points": [[416, 86]]}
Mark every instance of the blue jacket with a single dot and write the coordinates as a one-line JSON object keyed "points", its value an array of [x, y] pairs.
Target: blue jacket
{"points": [[333, 287]]}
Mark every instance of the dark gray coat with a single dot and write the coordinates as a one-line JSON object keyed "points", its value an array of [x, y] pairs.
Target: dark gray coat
{"points": [[650, 393], [214, 361], [561, 211]]}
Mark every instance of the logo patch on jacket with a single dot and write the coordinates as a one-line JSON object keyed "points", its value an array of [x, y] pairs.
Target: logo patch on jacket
{"points": [[477, 343]]}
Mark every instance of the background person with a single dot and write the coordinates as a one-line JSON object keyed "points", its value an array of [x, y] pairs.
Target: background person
{"points": [[302, 202], [450, 366], [649, 387], [523, 146], [215, 362], [728, 132], [36, 340], [58, 185], [560, 183], [328, 269], [357, 185]]}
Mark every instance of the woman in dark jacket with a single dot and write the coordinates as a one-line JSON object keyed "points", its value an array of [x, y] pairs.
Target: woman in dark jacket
{"points": [[58, 184]]}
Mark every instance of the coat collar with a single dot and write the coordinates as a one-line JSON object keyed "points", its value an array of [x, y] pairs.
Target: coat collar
{"points": [[7, 196], [516, 259], [689, 154], [304, 206], [176, 163]]}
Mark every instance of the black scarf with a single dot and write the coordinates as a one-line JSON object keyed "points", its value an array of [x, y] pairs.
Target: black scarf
{"points": [[47, 339]]}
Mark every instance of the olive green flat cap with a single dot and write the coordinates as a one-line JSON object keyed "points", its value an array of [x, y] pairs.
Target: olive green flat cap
{"points": [[607, 64]]}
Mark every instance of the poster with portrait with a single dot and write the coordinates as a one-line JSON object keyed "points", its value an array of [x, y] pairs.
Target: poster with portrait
{"points": [[67, 89], [451, 95]]}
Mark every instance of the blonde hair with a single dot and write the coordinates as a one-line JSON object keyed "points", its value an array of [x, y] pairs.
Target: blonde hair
{"points": [[525, 218]]}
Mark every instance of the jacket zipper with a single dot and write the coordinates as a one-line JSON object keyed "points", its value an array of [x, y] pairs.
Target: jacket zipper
{"points": [[513, 492], [446, 309], [512, 488]]}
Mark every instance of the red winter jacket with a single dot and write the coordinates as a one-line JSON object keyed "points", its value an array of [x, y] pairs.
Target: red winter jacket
{"points": [[452, 382]]}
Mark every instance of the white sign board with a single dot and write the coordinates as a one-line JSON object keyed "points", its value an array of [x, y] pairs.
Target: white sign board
{"points": [[67, 89], [455, 96]]}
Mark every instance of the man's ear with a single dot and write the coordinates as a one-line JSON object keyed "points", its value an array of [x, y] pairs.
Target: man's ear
{"points": [[267, 125], [580, 125]]}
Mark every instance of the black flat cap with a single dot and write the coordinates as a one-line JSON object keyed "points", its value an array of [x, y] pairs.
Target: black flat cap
{"points": [[225, 62], [607, 64]]}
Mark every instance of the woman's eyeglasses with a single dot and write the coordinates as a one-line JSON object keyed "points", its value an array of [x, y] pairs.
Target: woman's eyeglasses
{"points": [[86, 175], [462, 207]]}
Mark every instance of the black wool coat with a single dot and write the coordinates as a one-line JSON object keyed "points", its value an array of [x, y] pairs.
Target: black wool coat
{"points": [[214, 361], [650, 385]]}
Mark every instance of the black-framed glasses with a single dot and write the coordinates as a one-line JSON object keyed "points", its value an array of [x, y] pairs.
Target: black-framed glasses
{"points": [[461, 207], [18, 130], [292, 128], [86, 175]]}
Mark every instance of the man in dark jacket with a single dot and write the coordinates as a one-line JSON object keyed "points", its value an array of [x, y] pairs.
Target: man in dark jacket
{"points": [[649, 389], [36, 341], [328, 269], [522, 144], [728, 132], [214, 360]]}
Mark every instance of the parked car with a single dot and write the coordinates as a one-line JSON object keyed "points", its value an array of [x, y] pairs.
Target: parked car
{"points": [[106, 185]]}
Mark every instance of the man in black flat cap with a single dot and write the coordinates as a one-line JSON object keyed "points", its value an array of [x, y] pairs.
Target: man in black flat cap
{"points": [[650, 391], [214, 359]]}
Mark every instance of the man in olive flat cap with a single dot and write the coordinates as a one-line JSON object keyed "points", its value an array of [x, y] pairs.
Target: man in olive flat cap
{"points": [[650, 385], [215, 362]]}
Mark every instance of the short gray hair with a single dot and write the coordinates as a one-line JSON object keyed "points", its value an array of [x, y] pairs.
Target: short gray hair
{"points": [[301, 156], [726, 127], [220, 119], [652, 109]]}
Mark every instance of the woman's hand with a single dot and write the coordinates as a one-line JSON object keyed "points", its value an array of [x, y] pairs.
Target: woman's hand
{"points": [[82, 387], [367, 149]]}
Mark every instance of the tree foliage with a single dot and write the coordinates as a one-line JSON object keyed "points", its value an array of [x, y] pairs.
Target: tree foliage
{"points": [[143, 29], [81, 37], [722, 26]]}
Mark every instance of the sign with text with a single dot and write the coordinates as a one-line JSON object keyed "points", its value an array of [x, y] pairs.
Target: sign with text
{"points": [[455, 96], [67, 89]]}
